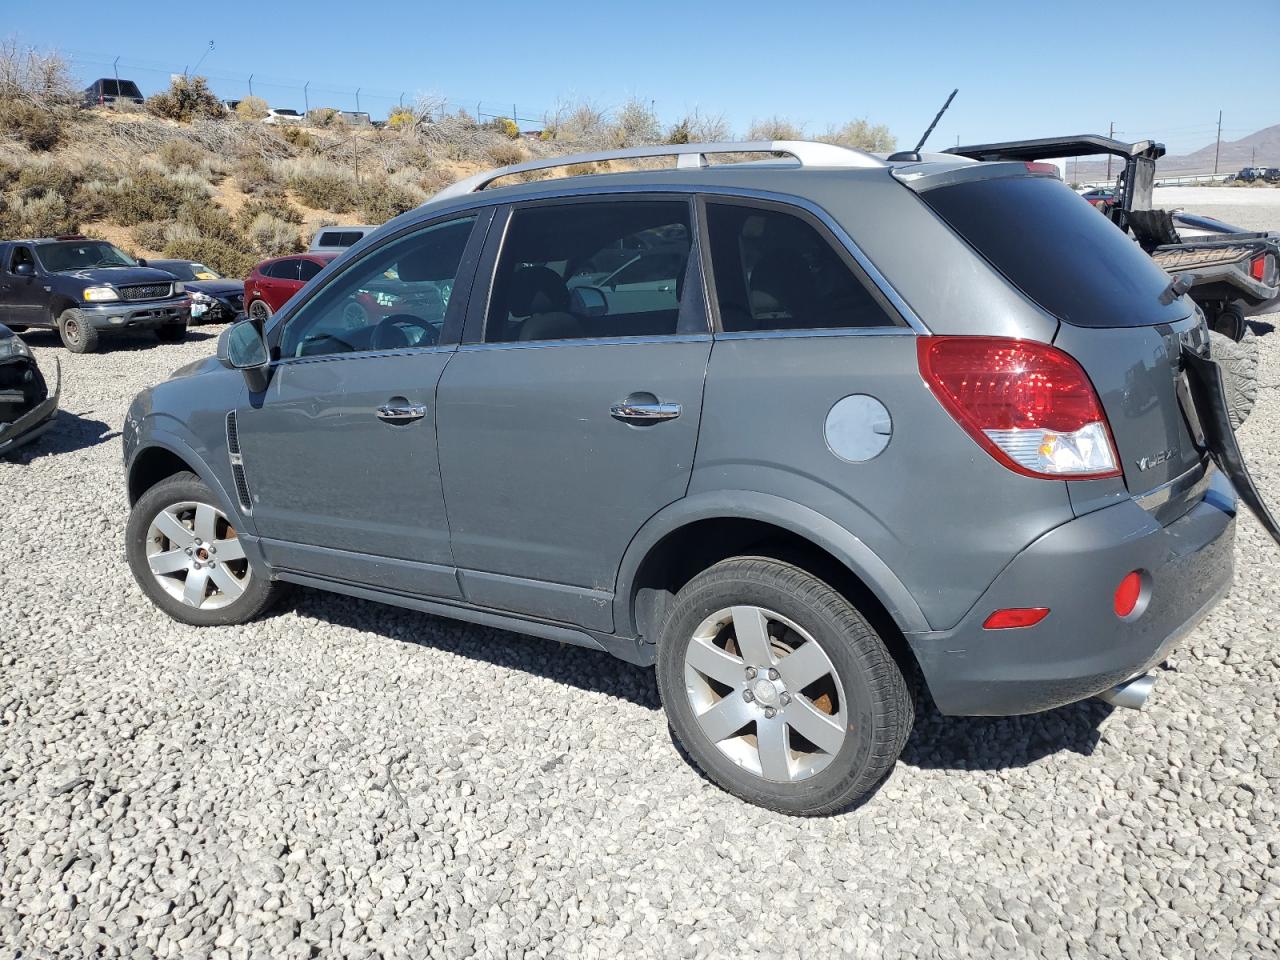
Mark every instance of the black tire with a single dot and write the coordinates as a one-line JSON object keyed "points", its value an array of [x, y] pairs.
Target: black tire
{"points": [[1230, 321], [78, 335], [1239, 363], [259, 592], [172, 333], [877, 700], [259, 310]]}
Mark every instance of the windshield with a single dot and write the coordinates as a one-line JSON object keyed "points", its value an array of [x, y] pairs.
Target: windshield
{"points": [[188, 271], [81, 254], [1058, 250]]}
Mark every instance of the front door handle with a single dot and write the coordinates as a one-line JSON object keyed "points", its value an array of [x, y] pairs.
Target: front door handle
{"points": [[644, 408], [401, 411]]}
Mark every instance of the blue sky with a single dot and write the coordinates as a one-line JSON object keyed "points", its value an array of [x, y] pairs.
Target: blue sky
{"points": [[1024, 69]]}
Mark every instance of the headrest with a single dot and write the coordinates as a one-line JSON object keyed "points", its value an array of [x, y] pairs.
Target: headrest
{"points": [[536, 290]]}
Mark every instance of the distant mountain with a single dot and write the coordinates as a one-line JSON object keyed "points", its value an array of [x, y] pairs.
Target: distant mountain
{"points": [[1261, 148]]}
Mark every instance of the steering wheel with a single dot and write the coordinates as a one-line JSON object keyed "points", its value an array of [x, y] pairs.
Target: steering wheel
{"points": [[394, 331]]}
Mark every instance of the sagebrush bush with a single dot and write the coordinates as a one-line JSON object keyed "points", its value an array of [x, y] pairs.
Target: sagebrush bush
{"points": [[270, 236], [40, 128], [272, 205], [150, 195], [322, 184], [8, 173], [325, 117], [223, 258], [382, 199], [92, 199], [44, 177], [255, 174], [775, 128], [505, 154], [186, 99], [251, 108], [46, 215], [149, 235], [183, 155], [636, 124], [297, 137], [211, 221]]}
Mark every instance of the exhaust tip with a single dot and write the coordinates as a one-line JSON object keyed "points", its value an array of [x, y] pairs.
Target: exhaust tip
{"points": [[1132, 694]]}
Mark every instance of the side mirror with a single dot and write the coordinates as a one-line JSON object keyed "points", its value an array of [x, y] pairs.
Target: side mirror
{"points": [[142, 261], [588, 302], [24, 270], [242, 348]]}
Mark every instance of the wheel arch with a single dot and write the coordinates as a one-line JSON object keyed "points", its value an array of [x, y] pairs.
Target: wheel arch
{"points": [[162, 457], [701, 530], [58, 303]]}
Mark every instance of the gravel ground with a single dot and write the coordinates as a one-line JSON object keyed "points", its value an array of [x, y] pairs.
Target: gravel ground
{"points": [[347, 779]]}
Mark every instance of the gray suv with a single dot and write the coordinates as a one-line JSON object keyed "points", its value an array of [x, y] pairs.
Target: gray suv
{"points": [[796, 431]]}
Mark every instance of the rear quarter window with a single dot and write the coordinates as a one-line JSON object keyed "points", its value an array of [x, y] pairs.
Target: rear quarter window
{"points": [[1058, 250]]}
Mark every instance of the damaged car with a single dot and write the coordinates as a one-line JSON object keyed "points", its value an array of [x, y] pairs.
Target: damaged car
{"points": [[214, 298], [27, 406]]}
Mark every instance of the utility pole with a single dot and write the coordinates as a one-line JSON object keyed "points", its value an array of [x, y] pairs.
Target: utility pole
{"points": [[358, 99], [1218, 146], [251, 84], [306, 100], [115, 68], [1111, 135]]}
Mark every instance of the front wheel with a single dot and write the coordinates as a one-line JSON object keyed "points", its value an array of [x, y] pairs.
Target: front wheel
{"points": [[779, 689], [188, 559], [260, 311], [78, 334]]}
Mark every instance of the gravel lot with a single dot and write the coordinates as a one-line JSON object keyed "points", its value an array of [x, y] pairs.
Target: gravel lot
{"points": [[346, 779]]}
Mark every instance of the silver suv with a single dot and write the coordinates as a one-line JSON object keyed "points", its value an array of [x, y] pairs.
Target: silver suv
{"points": [[797, 431]]}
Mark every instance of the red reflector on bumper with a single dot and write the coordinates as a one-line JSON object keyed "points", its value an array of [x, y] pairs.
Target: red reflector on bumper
{"points": [[1015, 617], [1127, 594]]}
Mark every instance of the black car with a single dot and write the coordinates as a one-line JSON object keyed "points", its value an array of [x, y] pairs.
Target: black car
{"points": [[214, 298], [26, 405], [106, 91], [84, 288]]}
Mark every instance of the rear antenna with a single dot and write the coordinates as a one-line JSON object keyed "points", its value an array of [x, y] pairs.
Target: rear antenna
{"points": [[915, 154]]}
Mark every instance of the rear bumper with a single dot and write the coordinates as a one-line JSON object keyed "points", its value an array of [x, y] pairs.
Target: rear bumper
{"points": [[145, 315], [1082, 648]]}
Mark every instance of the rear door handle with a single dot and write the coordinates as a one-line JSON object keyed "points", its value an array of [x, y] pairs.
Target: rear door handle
{"points": [[401, 412], [644, 408]]}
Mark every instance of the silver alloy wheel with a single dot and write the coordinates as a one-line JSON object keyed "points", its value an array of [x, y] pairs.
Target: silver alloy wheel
{"points": [[71, 329], [195, 555], [259, 310], [765, 693], [354, 316]]}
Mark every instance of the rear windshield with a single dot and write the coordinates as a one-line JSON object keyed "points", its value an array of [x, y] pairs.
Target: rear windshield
{"points": [[1058, 250]]}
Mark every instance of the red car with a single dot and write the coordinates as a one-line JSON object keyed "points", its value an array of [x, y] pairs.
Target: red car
{"points": [[274, 281]]}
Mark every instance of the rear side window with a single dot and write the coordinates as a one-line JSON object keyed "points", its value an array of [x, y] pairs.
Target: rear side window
{"points": [[331, 240], [774, 271], [1058, 250], [282, 270], [593, 269]]}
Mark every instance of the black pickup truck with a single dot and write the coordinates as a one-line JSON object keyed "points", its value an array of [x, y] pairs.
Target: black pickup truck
{"points": [[85, 289]]}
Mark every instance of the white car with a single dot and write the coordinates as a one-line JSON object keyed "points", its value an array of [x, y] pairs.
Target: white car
{"points": [[283, 115]]}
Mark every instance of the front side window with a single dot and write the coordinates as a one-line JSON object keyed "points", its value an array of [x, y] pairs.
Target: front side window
{"points": [[775, 271], [308, 269], [395, 296], [572, 271], [20, 256]]}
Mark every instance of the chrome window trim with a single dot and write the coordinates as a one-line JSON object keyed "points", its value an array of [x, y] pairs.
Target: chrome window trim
{"points": [[363, 354], [721, 190], [894, 331], [587, 342]]}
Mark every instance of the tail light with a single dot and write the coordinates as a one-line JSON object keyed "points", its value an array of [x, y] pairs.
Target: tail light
{"points": [[1263, 268], [1028, 404]]}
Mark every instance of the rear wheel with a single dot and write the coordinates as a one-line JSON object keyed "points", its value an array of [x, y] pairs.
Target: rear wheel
{"points": [[78, 335], [259, 310], [187, 557], [779, 689], [1239, 364]]}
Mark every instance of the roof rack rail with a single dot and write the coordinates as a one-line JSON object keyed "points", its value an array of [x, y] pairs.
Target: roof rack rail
{"points": [[808, 153]]}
